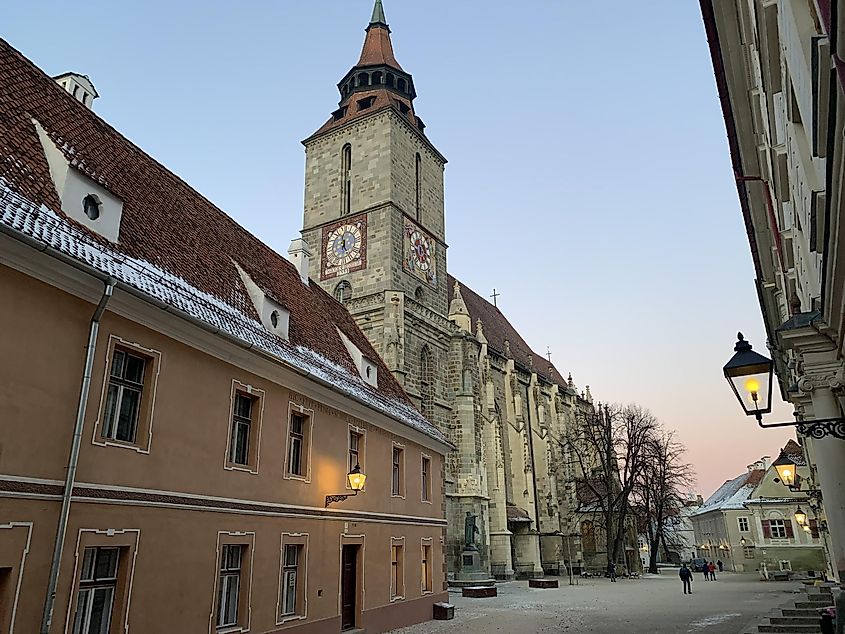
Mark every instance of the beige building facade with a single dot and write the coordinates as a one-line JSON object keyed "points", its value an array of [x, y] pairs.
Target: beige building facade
{"points": [[374, 218], [182, 408], [749, 523], [778, 68]]}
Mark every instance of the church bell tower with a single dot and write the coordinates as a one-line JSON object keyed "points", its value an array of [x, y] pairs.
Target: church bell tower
{"points": [[374, 188]]}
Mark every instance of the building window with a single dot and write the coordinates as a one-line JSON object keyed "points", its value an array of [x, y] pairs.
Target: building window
{"points": [[778, 529], [299, 432], [97, 586], [241, 425], [397, 572], [345, 179], [290, 580], [229, 585], [417, 180], [343, 291], [123, 399], [396, 481], [356, 445], [426, 479], [743, 524], [427, 584], [748, 552]]}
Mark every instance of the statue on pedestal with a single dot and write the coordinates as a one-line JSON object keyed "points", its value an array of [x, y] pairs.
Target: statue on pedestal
{"points": [[470, 531]]}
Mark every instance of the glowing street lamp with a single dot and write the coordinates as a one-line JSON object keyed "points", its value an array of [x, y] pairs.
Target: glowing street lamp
{"points": [[356, 480], [786, 469], [750, 377], [800, 517]]}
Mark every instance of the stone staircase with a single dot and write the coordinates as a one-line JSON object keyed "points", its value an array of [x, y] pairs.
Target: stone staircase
{"points": [[803, 616]]}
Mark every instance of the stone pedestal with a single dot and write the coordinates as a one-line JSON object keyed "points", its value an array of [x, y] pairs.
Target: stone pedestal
{"points": [[543, 583], [479, 592], [471, 573]]}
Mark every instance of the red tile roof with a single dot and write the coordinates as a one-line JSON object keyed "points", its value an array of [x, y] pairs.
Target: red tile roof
{"points": [[498, 330], [165, 222], [378, 49]]}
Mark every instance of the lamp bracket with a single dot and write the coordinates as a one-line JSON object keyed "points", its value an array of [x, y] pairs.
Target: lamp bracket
{"points": [[340, 497], [818, 428]]}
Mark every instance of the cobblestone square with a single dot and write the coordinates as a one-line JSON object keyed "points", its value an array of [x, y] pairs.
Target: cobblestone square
{"points": [[654, 603]]}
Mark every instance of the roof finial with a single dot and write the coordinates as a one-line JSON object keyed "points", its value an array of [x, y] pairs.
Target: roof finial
{"points": [[378, 14]]}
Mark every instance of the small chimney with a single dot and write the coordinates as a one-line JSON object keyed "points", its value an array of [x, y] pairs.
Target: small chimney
{"points": [[300, 255], [79, 86]]}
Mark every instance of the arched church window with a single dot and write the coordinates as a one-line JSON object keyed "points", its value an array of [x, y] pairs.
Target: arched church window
{"points": [[426, 383], [363, 79], [418, 175], [343, 291], [376, 79], [345, 179], [390, 80], [401, 84], [419, 294]]}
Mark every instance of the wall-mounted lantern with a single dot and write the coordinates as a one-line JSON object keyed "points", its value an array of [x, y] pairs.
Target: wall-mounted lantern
{"points": [[356, 479], [800, 517], [750, 377]]}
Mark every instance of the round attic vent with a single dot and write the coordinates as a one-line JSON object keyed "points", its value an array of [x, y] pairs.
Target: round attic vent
{"points": [[274, 318], [91, 206]]}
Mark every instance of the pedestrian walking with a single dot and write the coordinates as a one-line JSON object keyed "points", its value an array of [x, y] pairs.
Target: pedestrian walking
{"points": [[711, 568], [720, 564], [611, 570], [705, 571], [686, 578]]}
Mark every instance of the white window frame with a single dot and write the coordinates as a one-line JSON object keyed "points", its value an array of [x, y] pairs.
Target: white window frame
{"points": [[362, 449], [426, 483], [397, 542], [400, 471], [153, 359], [740, 521], [427, 564], [308, 440], [246, 540], [300, 541], [781, 528], [257, 395], [229, 576], [90, 585]]}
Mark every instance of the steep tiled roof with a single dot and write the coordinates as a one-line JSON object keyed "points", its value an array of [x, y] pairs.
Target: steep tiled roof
{"points": [[733, 494], [378, 49], [794, 452], [179, 246], [498, 329]]}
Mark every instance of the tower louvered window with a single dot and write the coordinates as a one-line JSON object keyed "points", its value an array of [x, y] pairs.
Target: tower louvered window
{"points": [[418, 175], [426, 383], [345, 179]]}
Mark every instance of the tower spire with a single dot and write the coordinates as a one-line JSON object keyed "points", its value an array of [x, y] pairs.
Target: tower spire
{"points": [[378, 15]]}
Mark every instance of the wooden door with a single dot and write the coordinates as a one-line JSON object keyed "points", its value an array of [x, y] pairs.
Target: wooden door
{"points": [[349, 586]]}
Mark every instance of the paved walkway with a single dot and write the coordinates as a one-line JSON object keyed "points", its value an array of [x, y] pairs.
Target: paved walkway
{"points": [[654, 604]]}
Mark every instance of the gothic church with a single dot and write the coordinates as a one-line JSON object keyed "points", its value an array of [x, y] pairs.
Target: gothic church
{"points": [[374, 222]]}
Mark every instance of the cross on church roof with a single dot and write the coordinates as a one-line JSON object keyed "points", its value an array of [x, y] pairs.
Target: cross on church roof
{"points": [[494, 296], [549, 353]]}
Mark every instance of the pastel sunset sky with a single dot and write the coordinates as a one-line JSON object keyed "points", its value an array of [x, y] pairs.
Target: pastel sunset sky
{"points": [[588, 181]]}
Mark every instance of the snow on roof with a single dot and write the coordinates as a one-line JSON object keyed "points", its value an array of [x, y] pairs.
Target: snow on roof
{"points": [[732, 495], [46, 227]]}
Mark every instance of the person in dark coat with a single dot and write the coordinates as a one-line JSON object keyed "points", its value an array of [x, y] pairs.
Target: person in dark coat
{"points": [[720, 564], [611, 570], [686, 577], [705, 571]]}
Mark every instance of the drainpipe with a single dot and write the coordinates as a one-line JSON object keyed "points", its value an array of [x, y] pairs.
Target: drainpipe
{"points": [[73, 458]]}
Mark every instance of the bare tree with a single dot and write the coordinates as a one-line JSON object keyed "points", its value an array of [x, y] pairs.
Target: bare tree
{"points": [[608, 447], [660, 491]]}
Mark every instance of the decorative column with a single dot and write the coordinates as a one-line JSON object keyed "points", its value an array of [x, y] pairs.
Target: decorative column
{"points": [[819, 382]]}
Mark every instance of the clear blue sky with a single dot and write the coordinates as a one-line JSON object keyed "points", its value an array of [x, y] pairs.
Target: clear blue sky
{"points": [[588, 180]]}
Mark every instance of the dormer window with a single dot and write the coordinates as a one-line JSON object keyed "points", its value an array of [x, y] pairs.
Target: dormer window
{"points": [[367, 368], [274, 318], [91, 206], [404, 108]]}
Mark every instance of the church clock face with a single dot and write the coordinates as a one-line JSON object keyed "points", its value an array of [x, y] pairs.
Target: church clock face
{"points": [[344, 246], [420, 250]]}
